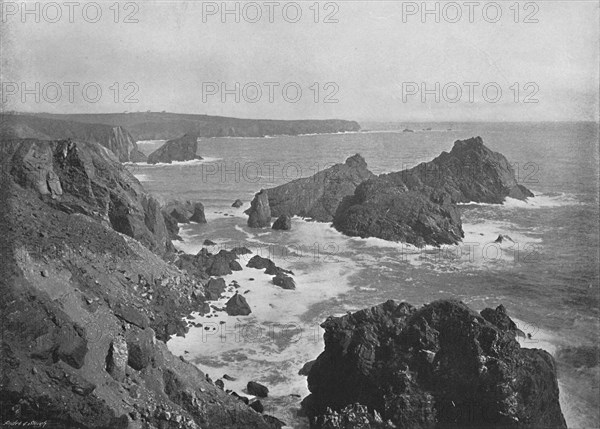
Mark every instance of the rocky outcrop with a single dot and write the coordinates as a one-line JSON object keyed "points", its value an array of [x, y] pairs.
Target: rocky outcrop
{"points": [[418, 205], [83, 343], [284, 281], [318, 197], [257, 389], [259, 213], [176, 212], [86, 178], [237, 306], [165, 126], [237, 204], [113, 137], [442, 365], [183, 148], [283, 223]]}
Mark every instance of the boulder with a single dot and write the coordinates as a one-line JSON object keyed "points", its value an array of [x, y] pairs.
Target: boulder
{"points": [[116, 359], [259, 213], [257, 389], [183, 148], [131, 315], [237, 204], [318, 197], [140, 348], [198, 213], [235, 266], [219, 267], [442, 365], [283, 222], [257, 406], [214, 288], [208, 242], [237, 306], [284, 281]]}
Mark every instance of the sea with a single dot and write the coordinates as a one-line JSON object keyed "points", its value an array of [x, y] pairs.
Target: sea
{"points": [[546, 274]]}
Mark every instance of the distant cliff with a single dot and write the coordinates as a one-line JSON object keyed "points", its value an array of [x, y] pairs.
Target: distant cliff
{"points": [[184, 148], [166, 126], [115, 138]]}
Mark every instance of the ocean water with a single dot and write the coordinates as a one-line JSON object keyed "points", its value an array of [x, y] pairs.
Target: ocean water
{"points": [[547, 277]]}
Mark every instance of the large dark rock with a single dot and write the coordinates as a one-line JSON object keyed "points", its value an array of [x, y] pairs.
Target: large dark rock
{"points": [[259, 213], [86, 178], [417, 206], [318, 197], [183, 148], [214, 288], [237, 306], [237, 204], [283, 222], [257, 389], [198, 213], [442, 365], [284, 281]]}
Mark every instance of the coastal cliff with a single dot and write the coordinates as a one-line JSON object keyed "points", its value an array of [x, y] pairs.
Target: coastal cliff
{"points": [[167, 126], [87, 304], [115, 138], [439, 366]]}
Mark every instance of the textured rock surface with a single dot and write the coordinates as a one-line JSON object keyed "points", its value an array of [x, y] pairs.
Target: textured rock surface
{"points": [[318, 196], [115, 138], [442, 365], [183, 148], [58, 329], [283, 222], [257, 389], [284, 281], [259, 213], [86, 178], [237, 306], [417, 206]]}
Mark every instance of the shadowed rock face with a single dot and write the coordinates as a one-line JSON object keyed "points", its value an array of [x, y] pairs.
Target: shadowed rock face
{"points": [[259, 213], [417, 206], [86, 178], [115, 138], [318, 197], [183, 148], [442, 365]]}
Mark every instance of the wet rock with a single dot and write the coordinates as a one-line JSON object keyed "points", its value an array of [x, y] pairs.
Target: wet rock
{"points": [[306, 368], [237, 306], [284, 281], [257, 389], [237, 204], [257, 406], [502, 238], [259, 213], [442, 365], [198, 213], [220, 384], [283, 222]]}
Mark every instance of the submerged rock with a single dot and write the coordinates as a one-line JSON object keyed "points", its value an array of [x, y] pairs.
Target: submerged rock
{"points": [[442, 365]]}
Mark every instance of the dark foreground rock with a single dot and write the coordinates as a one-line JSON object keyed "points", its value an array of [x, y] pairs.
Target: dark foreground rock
{"points": [[84, 345], [318, 197], [183, 148], [283, 223], [284, 281], [418, 206], [259, 213], [237, 306], [257, 389], [176, 212], [442, 365], [269, 266]]}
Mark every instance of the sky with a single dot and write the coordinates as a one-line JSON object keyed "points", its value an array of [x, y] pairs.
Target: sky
{"points": [[359, 60]]}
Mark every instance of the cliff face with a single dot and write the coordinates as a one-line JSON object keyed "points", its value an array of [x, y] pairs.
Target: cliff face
{"points": [[166, 126], [85, 309], [442, 365], [115, 138], [417, 206], [318, 197], [183, 148], [86, 178]]}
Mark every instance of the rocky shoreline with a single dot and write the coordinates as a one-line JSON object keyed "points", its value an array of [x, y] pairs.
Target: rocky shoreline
{"points": [[93, 288]]}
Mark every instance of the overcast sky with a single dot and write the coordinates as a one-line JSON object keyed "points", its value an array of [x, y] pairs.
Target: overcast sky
{"points": [[375, 60]]}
